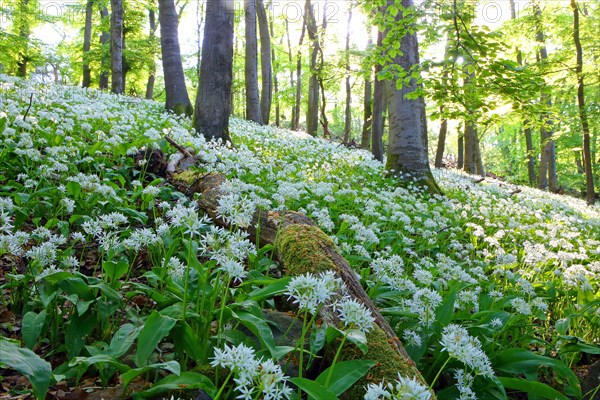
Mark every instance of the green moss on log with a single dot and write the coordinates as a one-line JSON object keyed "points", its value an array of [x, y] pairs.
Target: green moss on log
{"points": [[389, 364], [302, 249]]}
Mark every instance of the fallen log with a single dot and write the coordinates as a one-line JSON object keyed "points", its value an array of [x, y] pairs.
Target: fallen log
{"points": [[300, 247]]}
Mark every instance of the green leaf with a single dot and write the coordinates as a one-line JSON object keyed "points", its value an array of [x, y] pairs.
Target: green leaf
{"points": [[74, 189], [359, 339], [259, 328], [185, 381], [77, 331], [155, 329], [186, 340], [532, 388], [345, 374], [171, 366], [123, 339], [86, 362], [275, 288], [115, 270], [521, 361], [32, 327], [25, 361], [314, 389]]}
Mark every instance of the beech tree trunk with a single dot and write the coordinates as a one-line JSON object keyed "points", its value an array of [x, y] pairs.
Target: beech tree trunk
{"points": [[24, 31], [116, 46], [312, 114], [151, 38], [470, 143], [87, 41], [460, 149], [590, 195], [348, 111], [441, 145], [178, 100], [408, 149], [365, 141], [251, 65], [378, 107], [296, 110], [213, 101], [530, 157], [105, 61], [266, 96]]}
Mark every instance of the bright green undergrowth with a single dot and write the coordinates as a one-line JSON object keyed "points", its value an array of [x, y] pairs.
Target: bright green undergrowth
{"points": [[493, 290]]}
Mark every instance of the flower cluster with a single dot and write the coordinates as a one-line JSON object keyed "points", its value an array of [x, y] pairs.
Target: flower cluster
{"points": [[404, 389]]}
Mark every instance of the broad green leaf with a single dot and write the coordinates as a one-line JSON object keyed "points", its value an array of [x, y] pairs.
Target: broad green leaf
{"points": [[32, 327], [185, 381], [171, 366], [74, 189], [86, 362], [259, 328], [155, 329], [532, 388], [314, 389], [521, 361], [345, 374], [25, 361], [274, 288], [359, 339], [186, 340], [123, 339], [115, 270], [77, 330]]}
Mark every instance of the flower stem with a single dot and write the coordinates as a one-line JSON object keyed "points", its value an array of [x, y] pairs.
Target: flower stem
{"points": [[438, 374], [223, 386], [337, 354]]}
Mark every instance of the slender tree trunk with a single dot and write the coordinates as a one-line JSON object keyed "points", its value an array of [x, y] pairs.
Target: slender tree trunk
{"points": [[470, 140], [478, 157], [408, 149], [178, 100], [378, 108], [547, 177], [275, 67], [116, 46], [348, 111], [87, 39], [290, 59], [105, 60], [365, 140], [251, 66], [211, 118], [530, 157], [312, 115], [590, 195], [24, 31], [324, 120], [152, 39], [441, 145], [296, 110], [266, 96], [460, 162]]}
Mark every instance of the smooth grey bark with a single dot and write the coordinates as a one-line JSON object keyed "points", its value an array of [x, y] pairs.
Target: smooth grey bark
{"points": [[365, 140], [323, 106], [470, 143], [378, 108], [87, 42], [178, 100], [296, 110], [275, 80], [590, 195], [213, 101], [266, 95], [251, 65], [105, 61], [348, 110], [547, 177], [441, 145], [407, 151], [312, 114], [460, 150], [116, 46], [23, 29], [151, 37]]}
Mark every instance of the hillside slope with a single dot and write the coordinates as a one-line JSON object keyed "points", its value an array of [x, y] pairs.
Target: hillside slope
{"points": [[483, 285]]}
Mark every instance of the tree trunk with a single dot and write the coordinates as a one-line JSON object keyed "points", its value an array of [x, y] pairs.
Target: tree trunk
{"points": [[470, 143], [365, 140], [378, 107], [547, 177], [211, 118], [590, 195], [266, 96], [275, 80], [324, 120], [348, 111], [24, 31], [408, 150], [178, 100], [312, 114], [478, 157], [152, 72], [530, 157], [116, 46], [251, 65], [290, 59], [105, 61], [87, 39], [441, 145], [460, 150], [296, 110]]}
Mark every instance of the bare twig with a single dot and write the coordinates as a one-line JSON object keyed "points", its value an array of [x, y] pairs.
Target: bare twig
{"points": [[179, 147], [28, 108]]}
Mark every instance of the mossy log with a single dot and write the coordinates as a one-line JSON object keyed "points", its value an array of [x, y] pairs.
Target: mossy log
{"points": [[301, 246]]}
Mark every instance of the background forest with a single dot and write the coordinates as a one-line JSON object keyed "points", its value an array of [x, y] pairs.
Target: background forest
{"points": [[504, 73], [234, 199]]}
